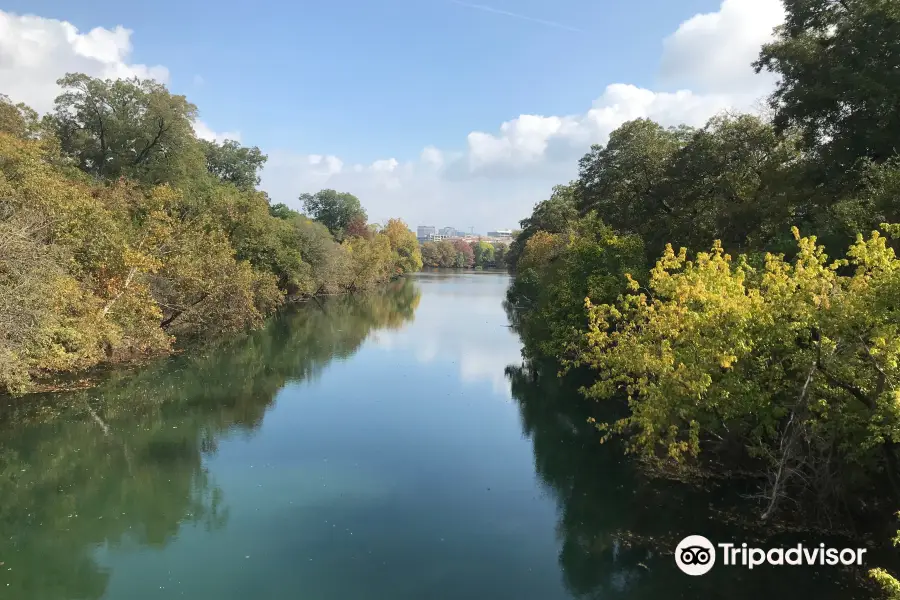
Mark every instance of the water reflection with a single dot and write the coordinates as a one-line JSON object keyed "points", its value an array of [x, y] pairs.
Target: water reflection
{"points": [[461, 322], [617, 528], [277, 466], [122, 465]]}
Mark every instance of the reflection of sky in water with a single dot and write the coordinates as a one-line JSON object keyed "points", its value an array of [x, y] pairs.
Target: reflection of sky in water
{"points": [[344, 472], [453, 324], [395, 473]]}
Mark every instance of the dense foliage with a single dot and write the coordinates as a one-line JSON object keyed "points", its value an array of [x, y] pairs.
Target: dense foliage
{"points": [[776, 352], [460, 254], [121, 233]]}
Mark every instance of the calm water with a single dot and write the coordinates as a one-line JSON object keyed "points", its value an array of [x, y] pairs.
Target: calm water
{"points": [[382, 447]]}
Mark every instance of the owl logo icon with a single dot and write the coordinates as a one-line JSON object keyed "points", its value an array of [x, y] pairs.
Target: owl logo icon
{"points": [[695, 555]]}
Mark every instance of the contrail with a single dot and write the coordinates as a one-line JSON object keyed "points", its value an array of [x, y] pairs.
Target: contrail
{"points": [[497, 11]]}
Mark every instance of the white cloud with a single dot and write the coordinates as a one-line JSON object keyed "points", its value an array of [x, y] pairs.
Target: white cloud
{"points": [[531, 140], [432, 156], [385, 166], [496, 179], [712, 52], [35, 52], [205, 132]]}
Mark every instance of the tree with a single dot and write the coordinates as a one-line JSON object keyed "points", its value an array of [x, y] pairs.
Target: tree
{"points": [[134, 239], [357, 227], [430, 254], [464, 256], [484, 253], [17, 120], [133, 128], [268, 243], [205, 292], [72, 270], [618, 180], [329, 261], [404, 245], [333, 209], [785, 359], [555, 274], [232, 163], [446, 252], [370, 261], [553, 215], [838, 63], [500, 255], [889, 584], [733, 180], [282, 211]]}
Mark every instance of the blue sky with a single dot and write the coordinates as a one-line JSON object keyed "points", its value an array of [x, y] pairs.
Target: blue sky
{"points": [[374, 81]]}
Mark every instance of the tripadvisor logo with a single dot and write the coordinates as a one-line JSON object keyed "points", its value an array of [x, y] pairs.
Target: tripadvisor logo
{"points": [[696, 555]]}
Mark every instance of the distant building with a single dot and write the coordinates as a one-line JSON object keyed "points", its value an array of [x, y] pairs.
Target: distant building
{"points": [[423, 232], [503, 234], [448, 231]]}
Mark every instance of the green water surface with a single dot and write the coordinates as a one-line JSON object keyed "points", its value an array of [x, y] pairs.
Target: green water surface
{"points": [[386, 446]]}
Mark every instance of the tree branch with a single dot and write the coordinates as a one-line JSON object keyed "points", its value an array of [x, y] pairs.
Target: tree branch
{"points": [[145, 152]]}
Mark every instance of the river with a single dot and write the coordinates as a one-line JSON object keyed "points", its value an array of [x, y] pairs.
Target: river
{"points": [[376, 447]]}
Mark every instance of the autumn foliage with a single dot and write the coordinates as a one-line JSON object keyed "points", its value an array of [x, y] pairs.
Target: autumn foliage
{"points": [[730, 291], [120, 238]]}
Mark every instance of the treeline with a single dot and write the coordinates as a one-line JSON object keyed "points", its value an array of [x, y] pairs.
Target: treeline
{"points": [[122, 233], [770, 345], [460, 254]]}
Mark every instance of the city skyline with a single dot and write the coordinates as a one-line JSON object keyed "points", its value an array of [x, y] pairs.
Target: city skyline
{"points": [[425, 232]]}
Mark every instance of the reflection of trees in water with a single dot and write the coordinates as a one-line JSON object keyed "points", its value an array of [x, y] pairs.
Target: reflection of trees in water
{"points": [[617, 529], [122, 463], [594, 489]]}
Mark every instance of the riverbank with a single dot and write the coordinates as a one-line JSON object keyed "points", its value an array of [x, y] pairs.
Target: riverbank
{"points": [[400, 432], [106, 260], [97, 374], [730, 288]]}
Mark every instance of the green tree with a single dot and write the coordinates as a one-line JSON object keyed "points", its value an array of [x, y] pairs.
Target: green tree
{"points": [[500, 255], [732, 180], [133, 128], [889, 584], [839, 81], [484, 254], [558, 271], [282, 211], [333, 209], [232, 163], [619, 180], [553, 215], [269, 243]]}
